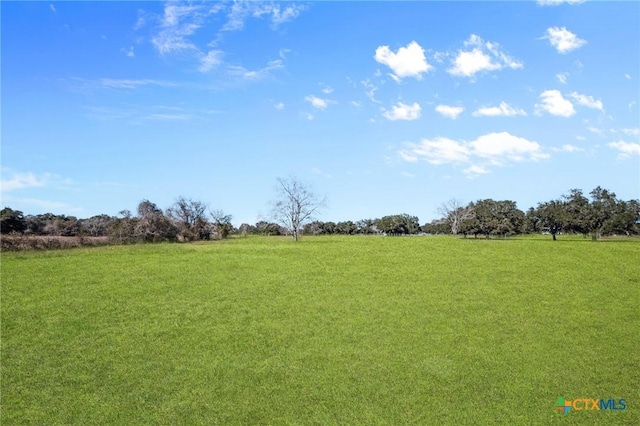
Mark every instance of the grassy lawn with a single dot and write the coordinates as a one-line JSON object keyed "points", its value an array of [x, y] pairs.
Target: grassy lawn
{"points": [[331, 330]]}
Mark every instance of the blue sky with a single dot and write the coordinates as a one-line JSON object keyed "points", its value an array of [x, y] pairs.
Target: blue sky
{"points": [[384, 107]]}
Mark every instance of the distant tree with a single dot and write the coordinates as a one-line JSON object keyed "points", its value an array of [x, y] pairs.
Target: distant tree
{"points": [[532, 222], [551, 217], [66, 226], [245, 229], [346, 228], [122, 228], [454, 212], [471, 225], [221, 226], [329, 228], [34, 224], [625, 219], [314, 228], [601, 210], [366, 226], [96, 226], [268, 228], [577, 209], [190, 217], [399, 224], [295, 205], [152, 224], [437, 226], [495, 218], [11, 221]]}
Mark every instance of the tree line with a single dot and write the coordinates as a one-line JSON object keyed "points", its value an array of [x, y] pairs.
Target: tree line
{"points": [[185, 220], [296, 206], [601, 214]]}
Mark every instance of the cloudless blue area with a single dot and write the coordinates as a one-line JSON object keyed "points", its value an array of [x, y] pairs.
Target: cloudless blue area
{"points": [[108, 103]]}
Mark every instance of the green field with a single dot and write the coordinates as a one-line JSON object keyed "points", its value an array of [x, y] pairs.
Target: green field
{"points": [[330, 330]]}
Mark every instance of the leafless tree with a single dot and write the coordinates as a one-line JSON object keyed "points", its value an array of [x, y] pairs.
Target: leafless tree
{"points": [[454, 212], [221, 226], [295, 205], [190, 218]]}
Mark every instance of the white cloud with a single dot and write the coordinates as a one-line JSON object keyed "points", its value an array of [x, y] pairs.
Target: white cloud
{"points": [[627, 76], [19, 180], [242, 10], [177, 24], [562, 77], [119, 83], [129, 52], [281, 15], [504, 110], [503, 146], [279, 106], [626, 149], [327, 90], [587, 101], [437, 151], [133, 113], [568, 148], [370, 91], [142, 20], [483, 56], [175, 31], [563, 40], [555, 104], [258, 74], [490, 150], [52, 8], [409, 61], [449, 111], [635, 131], [212, 59], [558, 2], [475, 170], [403, 111], [317, 102]]}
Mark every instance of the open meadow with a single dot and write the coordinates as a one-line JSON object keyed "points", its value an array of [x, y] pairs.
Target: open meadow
{"points": [[329, 330]]}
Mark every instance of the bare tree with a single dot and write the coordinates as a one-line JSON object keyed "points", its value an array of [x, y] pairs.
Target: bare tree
{"points": [[454, 212], [221, 226], [189, 215], [295, 205]]}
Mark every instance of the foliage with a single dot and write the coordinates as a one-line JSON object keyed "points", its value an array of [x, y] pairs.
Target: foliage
{"points": [[152, 225], [551, 217], [11, 221], [399, 224]]}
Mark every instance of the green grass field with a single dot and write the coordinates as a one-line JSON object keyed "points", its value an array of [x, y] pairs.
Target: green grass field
{"points": [[330, 330]]}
